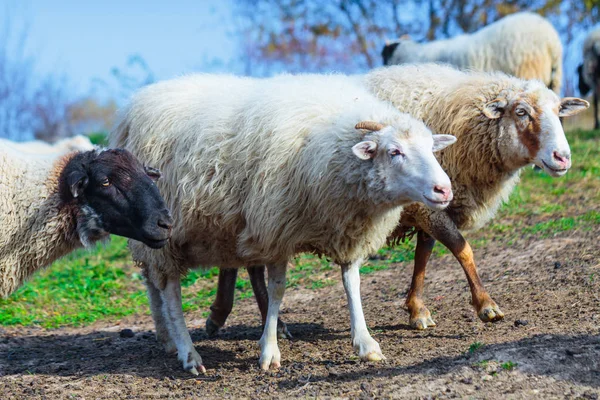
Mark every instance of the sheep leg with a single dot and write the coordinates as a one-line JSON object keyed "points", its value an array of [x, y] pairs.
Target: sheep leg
{"points": [[363, 343], [156, 306], [173, 312], [221, 307], [269, 350], [420, 317], [257, 279], [448, 234]]}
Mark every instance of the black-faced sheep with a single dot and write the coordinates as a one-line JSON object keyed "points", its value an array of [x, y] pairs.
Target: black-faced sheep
{"points": [[259, 170], [51, 205], [589, 71], [524, 44], [501, 123]]}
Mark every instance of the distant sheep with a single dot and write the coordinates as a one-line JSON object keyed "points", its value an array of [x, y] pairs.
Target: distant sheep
{"points": [[50, 206], [523, 44], [75, 143], [589, 71], [502, 124], [259, 170]]}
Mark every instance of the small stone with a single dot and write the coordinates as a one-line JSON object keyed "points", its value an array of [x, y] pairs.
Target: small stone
{"points": [[557, 265], [521, 322], [126, 333], [467, 381]]}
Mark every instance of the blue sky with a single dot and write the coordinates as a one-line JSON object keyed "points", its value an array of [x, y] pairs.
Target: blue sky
{"points": [[85, 39]]}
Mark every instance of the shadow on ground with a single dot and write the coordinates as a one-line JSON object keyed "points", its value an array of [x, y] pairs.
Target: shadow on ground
{"points": [[574, 358]]}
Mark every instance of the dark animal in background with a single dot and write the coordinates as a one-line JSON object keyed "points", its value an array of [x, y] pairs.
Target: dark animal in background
{"points": [[589, 71]]}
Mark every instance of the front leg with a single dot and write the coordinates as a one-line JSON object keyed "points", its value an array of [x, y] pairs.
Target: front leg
{"points": [[156, 306], [420, 317], [444, 230], [363, 343], [173, 313], [269, 350]]}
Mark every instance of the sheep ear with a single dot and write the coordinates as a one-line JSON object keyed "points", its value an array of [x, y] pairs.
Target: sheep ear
{"points": [[77, 181], [440, 142], [495, 108], [571, 106], [365, 150], [153, 173]]}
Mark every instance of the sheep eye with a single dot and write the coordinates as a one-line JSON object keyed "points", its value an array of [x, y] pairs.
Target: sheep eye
{"points": [[395, 153], [521, 112], [105, 182]]}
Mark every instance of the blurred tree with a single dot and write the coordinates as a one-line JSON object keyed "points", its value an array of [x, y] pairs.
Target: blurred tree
{"points": [[89, 114], [348, 35], [32, 105]]}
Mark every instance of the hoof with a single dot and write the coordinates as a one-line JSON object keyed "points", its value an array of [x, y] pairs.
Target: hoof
{"points": [[422, 323], [368, 349], [490, 313], [374, 357], [193, 363], [269, 356], [212, 329], [421, 319]]}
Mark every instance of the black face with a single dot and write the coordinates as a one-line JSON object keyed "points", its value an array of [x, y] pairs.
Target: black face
{"points": [[387, 52], [116, 194]]}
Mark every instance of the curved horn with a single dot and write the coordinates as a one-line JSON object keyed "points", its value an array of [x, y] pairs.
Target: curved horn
{"points": [[370, 126]]}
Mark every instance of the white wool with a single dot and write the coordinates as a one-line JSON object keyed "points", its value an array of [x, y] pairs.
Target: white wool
{"points": [[257, 170], [35, 231], [75, 143], [523, 44]]}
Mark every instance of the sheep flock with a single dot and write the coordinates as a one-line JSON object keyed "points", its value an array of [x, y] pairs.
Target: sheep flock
{"points": [[254, 171]]}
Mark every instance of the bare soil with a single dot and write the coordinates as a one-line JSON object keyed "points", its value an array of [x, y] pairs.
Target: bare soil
{"points": [[551, 286]]}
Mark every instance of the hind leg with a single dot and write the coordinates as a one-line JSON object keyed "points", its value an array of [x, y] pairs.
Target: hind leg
{"points": [[223, 304], [257, 279]]}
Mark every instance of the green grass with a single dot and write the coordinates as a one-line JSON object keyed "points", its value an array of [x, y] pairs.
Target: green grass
{"points": [[474, 347], [508, 366], [87, 286]]}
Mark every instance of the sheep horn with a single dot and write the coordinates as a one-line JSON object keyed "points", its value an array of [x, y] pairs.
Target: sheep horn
{"points": [[370, 126]]}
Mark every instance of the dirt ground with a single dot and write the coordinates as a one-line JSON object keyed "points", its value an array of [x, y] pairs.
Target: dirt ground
{"points": [[552, 285]]}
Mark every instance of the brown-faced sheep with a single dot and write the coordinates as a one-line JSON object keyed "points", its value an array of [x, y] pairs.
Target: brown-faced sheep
{"points": [[502, 124]]}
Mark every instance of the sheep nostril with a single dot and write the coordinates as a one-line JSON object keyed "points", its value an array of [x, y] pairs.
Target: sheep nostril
{"points": [[165, 223], [559, 158], [441, 190]]}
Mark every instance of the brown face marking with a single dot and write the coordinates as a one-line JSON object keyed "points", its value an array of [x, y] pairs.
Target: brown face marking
{"points": [[529, 134]]}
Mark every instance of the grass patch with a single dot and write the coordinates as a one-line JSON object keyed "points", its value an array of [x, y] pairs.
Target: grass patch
{"points": [[508, 366], [474, 347], [103, 284]]}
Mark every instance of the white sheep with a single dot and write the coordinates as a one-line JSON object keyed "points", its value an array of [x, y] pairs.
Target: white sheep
{"points": [[523, 44], [75, 143], [259, 170], [589, 71], [51, 205], [501, 124]]}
